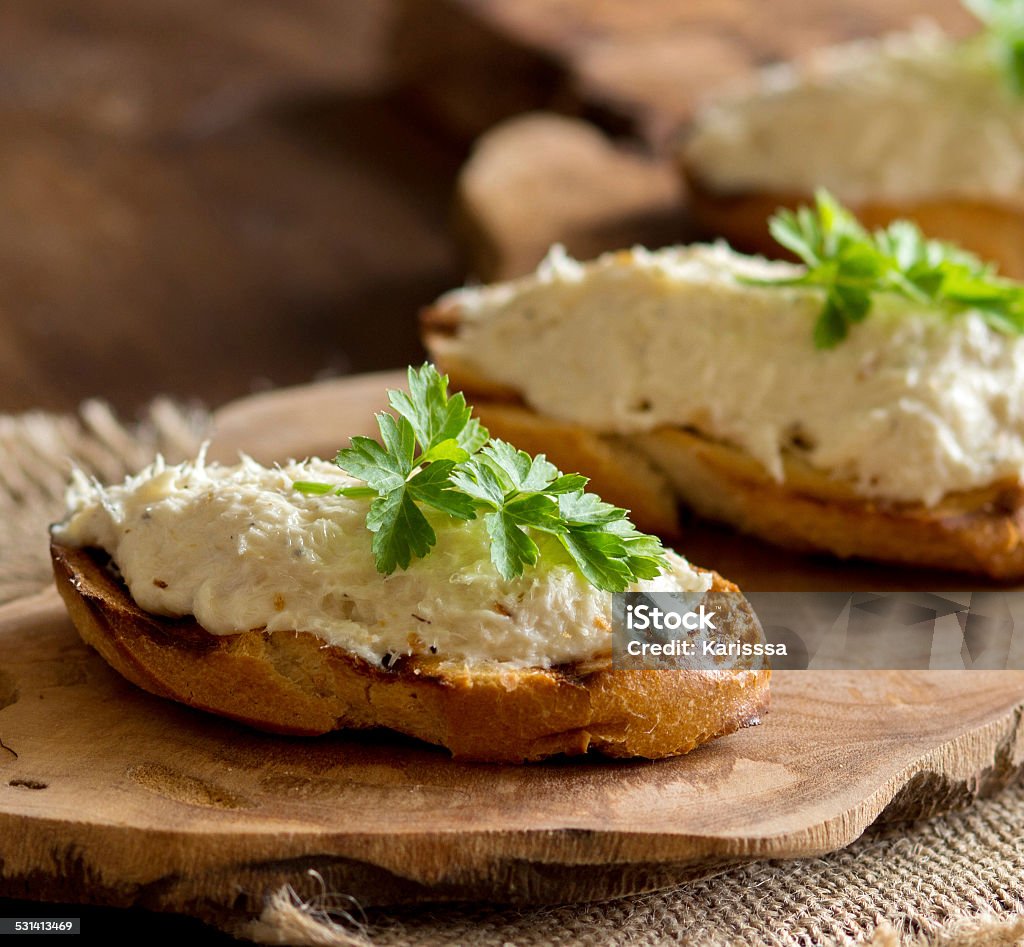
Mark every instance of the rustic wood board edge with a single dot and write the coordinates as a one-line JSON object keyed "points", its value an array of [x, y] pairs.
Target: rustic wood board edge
{"points": [[217, 874]]}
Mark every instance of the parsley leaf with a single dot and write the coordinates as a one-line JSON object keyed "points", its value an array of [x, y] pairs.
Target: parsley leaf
{"points": [[851, 264], [478, 480], [520, 470], [433, 416], [400, 529], [511, 547], [381, 468], [605, 545], [600, 557], [1004, 33], [433, 454], [433, 486], [588, 509]]}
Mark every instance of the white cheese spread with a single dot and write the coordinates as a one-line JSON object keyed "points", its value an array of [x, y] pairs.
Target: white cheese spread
{"points": [[909, 116], [240, 549], [914, 404]]}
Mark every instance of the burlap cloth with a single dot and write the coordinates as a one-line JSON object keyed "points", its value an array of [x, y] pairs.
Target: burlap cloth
{"points": [[957, 880]]}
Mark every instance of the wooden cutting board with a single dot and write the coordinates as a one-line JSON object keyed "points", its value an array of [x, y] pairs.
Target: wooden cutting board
{"points": [[112, 796]]}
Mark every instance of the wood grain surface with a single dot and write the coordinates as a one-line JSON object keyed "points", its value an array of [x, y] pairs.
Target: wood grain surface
{"points": [[110, 795], [209, 199], [636, 69]]}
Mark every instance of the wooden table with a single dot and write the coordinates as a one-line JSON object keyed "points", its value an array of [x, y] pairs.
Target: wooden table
{"points": [[207, 199]]}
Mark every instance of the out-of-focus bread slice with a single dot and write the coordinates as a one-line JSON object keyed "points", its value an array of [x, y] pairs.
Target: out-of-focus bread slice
{"points": [[293, 683], [991, 230], [978, 531]]}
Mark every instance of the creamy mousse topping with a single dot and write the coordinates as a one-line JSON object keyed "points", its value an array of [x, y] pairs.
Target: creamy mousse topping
{"points": [[909, 116], [915, 404], [240, 549]]}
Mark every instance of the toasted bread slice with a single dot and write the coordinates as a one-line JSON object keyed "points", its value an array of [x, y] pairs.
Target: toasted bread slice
{"points": [[978, 531], [292, 683], [991, 230]]}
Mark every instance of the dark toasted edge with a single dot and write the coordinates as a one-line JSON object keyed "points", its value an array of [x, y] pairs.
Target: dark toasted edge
{"points": [[290, 682]]}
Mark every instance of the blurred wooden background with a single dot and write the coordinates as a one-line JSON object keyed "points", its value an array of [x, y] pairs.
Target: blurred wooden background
{"points": [[207, 198]]}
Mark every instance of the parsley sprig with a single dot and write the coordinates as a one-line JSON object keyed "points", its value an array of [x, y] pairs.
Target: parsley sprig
{"points": [[432, 453], [1004, 33], [852, 264]]}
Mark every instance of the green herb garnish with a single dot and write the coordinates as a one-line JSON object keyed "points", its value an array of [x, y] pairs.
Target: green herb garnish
{"points": [[435, 454], [1004, 33], [852, 264]]}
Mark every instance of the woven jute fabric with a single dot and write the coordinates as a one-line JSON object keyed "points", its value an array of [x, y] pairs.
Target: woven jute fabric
{"points": [[38, 451], [955, 881]]}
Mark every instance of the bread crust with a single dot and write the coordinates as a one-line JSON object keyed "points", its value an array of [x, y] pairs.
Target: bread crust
{"points": [[992, 230], [293, 683], [977, 531]]}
